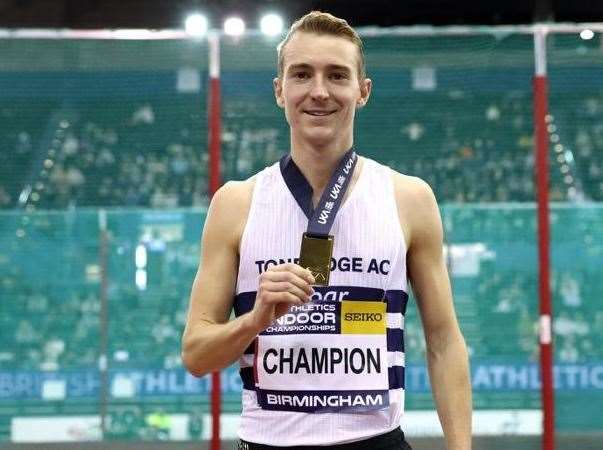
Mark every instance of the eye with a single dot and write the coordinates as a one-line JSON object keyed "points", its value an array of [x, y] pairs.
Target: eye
{"points": [[337, 76], [301, 75]]}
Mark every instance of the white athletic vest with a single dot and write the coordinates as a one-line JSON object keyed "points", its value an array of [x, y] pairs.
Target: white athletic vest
{"points": [[332, 371]]}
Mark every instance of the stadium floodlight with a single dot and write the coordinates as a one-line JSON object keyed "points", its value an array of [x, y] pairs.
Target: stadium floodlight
{"points": [[234, 26], [196, 25], [587, 34], [271, 24]]}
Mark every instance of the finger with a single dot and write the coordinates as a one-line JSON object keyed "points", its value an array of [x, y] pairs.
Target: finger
{"points": [[283, 297], [294, 268], [285, 286], [288, 267], [290, 277]]}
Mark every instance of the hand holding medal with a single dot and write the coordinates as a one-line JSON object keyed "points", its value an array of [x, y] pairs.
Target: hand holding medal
{"points": [[281, 287]]}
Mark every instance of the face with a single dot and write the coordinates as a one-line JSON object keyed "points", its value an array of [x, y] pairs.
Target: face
{"points": [[320, 90]]}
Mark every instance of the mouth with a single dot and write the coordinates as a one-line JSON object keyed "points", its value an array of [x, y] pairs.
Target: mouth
{"points": [[318, 112]]}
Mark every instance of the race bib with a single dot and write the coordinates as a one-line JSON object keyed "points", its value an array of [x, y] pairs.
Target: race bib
{"points": [[324, 357]]}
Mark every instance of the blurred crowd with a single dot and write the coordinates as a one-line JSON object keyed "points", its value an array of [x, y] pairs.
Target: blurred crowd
{"points": [[144, 327], [154, 153]]}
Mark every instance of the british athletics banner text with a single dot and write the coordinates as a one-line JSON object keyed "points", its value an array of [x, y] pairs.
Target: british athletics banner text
{"points": [[17, 385]]}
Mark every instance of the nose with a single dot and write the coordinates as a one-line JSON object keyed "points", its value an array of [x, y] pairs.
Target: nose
{"points": [[319, 89]]}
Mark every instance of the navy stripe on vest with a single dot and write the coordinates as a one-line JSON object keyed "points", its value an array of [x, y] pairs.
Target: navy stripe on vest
{"points": [[396, 299], [247, 378], [396, 377], [395, 340], [243, 302]]}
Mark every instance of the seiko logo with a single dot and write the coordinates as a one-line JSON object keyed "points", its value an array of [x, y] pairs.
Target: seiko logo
{"points": [[363, 317]]}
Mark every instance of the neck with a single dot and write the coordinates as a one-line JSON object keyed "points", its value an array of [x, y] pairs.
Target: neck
{"points": [[318, 163]]}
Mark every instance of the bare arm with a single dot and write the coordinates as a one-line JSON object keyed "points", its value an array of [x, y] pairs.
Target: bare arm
{"points": [[446, 351], [210, 342]]}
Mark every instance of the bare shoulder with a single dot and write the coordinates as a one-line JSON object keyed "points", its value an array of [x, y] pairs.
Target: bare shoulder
{"points": [[234, 192], [417, 205], [229, 208], [411, 189]]}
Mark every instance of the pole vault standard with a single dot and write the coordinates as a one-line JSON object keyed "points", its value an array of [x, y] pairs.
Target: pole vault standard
{"points": [[214, 140], [542, 193], [214, 114]]}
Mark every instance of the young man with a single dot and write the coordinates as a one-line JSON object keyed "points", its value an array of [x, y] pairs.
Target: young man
{"points": [[321, 351]]}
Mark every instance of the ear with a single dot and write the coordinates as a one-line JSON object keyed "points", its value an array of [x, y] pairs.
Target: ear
{"points": [[277, 83], [365, 92]]}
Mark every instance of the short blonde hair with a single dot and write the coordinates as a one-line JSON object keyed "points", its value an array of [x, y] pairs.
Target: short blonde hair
{"points": [[323, 23]]}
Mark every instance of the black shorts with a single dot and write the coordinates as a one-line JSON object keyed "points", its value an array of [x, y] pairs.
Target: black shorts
{"points": [[394, 440]]}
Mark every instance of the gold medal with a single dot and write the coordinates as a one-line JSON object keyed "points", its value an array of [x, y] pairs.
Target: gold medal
{"points": [[315, 255]]}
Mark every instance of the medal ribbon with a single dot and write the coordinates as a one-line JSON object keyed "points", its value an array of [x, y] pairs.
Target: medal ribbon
{"points": [[320, 220]]}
